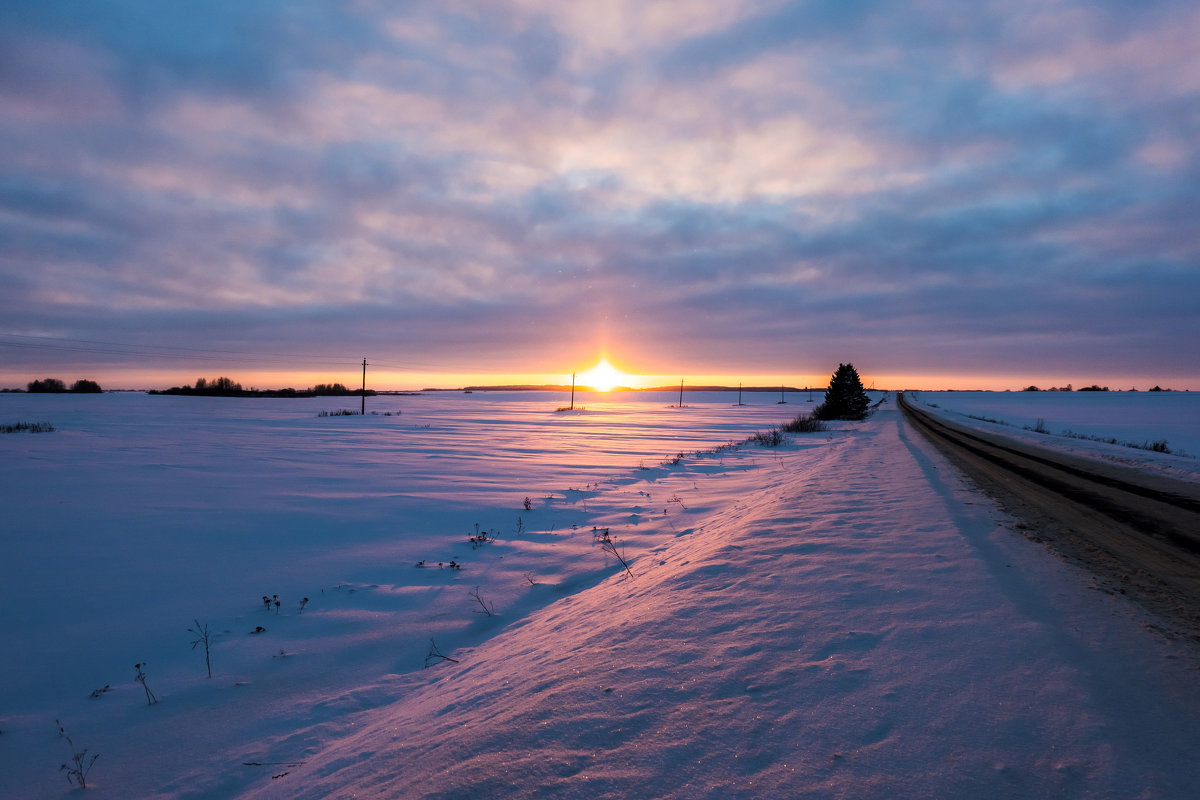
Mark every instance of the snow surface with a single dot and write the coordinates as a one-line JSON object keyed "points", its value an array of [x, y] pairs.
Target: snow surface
{"points": [[1076, 420], [840, 616]]}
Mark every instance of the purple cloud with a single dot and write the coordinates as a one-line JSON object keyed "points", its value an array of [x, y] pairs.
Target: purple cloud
{"points": [[929, 187]]}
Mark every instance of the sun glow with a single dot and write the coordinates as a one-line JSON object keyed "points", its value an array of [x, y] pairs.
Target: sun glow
{"points": [[603, 377]]}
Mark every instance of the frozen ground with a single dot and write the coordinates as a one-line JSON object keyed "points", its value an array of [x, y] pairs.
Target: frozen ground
{"points": [[1137, 418], [835, 617]]}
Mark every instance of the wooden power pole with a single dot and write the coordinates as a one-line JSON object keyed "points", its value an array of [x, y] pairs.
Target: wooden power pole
{"points": [[363, 409]]}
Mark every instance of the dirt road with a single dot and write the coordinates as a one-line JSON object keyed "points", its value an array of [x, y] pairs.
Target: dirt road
{"points": [[1139, 534]]}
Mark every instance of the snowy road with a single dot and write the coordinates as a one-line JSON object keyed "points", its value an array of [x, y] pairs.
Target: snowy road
{"points": [[1140, 533]]}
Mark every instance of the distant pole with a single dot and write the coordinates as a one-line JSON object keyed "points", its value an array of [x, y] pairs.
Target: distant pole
{"points": [[572, 391], [681, 392], [781, 400], [739, 393], [363, 410]]}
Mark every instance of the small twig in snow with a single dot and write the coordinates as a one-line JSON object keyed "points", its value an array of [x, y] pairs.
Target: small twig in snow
{"points": [[488, 608], [436, 655], [141, 678], [79, 765], [609, 546], [204, 637]]}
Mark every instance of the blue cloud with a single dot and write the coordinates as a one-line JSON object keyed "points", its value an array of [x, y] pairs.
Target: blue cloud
{"points": [[479, 181]]}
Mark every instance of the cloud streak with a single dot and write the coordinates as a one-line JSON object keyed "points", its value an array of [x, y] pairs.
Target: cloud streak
{"points": [[721, 188]]}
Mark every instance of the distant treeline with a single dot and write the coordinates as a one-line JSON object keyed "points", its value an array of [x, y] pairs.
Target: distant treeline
{"points": [[227, 387], [55, 386], [1093, 388]]}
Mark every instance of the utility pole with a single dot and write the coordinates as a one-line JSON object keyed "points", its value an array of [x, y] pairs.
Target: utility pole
{"points": [[572, 391], [363, 410], [782, 402], [681, 392], [739, 393]]}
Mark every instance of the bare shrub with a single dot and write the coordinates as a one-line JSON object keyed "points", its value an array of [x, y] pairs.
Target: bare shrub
{"points": [[30, 427], [771, 438], [804, 424]]}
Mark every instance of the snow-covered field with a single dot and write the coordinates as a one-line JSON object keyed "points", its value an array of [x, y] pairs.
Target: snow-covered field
{"points": [[1083, 423], [835, 617]]}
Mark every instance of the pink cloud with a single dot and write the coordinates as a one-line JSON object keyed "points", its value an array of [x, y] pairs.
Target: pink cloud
{"points": [[1078, 45]]}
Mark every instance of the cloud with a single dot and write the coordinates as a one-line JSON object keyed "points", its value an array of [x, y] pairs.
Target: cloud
{"points": [[706, 184]]}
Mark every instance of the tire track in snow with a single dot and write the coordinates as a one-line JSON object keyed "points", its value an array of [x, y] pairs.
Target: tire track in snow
{"points": [[1139, 534]]}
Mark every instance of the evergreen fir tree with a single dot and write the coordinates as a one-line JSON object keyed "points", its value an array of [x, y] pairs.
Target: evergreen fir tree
{"points": [[845, 398]]}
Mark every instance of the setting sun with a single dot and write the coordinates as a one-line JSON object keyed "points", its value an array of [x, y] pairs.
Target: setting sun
{"points": [[603, 377]]}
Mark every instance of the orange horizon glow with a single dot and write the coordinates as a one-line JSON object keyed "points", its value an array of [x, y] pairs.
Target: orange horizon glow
{"points": [[611, 378]]}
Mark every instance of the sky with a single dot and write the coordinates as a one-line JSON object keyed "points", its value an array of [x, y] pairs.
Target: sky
{"points": [[945, 194]]}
